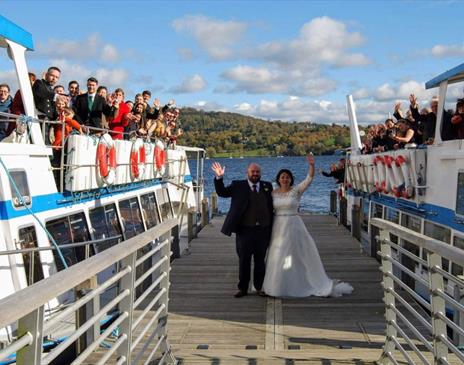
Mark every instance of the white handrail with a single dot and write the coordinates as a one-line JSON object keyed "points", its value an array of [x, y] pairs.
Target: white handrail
{"points": [[404, 312]]}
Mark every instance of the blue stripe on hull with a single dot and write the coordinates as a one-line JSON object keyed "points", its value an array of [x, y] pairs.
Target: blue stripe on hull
{"points": [[434, 213], [47, 202]]}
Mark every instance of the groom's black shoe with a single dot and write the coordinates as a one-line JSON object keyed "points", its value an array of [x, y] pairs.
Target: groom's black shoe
{"points": [[240, 294], [261, 293]]}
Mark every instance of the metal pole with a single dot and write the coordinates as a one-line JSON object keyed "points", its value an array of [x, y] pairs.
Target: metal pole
{"points": [[32, 324], [389, 299], [438, 306]]}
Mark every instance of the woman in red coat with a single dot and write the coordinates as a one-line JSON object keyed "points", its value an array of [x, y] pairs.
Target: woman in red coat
{"points": [[122, 115]]}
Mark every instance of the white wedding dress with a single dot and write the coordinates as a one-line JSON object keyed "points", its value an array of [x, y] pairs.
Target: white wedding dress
{"points": [[293, 266]]}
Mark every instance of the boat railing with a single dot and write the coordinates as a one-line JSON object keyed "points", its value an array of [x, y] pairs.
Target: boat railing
{"points": [[421, 326], [138, 310], [20, 133]]}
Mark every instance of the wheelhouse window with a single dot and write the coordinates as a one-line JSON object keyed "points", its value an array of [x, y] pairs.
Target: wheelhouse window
{"points": [[20, 180], [162, 196], [32, 265], [131, 217], [460, 194], [456, 269], [105, 224], [439, 233], [70, 229], [150, 209]]}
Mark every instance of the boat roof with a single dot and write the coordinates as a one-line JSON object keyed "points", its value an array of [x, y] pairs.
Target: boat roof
{"points": [[456, 74], [13, 32]]}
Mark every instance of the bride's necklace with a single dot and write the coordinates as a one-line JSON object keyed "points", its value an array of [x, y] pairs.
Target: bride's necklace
{"points": [[281, 191]]}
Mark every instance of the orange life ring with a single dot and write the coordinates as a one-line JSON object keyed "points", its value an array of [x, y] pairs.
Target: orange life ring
{"points": [[106, 159], [160, 157], [137, 159]]}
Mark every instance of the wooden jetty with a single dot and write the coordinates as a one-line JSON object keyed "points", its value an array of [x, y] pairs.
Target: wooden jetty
{"points": [[207, 325]]}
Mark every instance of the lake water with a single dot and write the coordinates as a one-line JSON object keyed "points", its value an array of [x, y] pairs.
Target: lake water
{"points": [[316, 197]]}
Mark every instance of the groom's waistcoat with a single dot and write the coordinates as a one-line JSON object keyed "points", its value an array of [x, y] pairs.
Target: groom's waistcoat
{"points": [[257, 212]]}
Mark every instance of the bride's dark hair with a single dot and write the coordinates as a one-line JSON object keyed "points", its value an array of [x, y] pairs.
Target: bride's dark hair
{"points": [[284, 171]]}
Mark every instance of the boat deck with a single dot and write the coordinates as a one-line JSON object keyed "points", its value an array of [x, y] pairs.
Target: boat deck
{"points": [[207, 325]]}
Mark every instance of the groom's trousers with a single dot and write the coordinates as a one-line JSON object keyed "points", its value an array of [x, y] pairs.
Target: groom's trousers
{"points": [[252, 242]]}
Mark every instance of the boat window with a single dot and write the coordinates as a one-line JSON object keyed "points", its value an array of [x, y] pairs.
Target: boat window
{"points": [[439, 233], [365, 215], [32, 263], [456, 269], [131, 218], [411, 222], [377, 211], [392, 215], [460, 194], [20, 180], [105, 224], [70, 229], [149, 209], [164, 202]]}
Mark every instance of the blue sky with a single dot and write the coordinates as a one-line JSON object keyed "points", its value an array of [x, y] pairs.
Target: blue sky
{"points": [[275, 60]]}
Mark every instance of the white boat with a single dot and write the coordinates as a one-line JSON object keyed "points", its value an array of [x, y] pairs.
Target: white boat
{"points": [[80, 208], [419, 188]]}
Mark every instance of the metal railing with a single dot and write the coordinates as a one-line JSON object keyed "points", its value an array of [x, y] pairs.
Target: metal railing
{"points": [[138, 309], [423, 302], [62, 166]]}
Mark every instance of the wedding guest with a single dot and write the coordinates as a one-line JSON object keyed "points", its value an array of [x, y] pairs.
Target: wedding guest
{"points": [[17, 107], [404, 135], [90, 107], [59, 89], [122, 115], [5, 104], [73, 91], [44, 96]]}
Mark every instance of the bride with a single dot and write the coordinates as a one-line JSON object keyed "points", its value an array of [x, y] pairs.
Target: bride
{"points": [[293, 267]]}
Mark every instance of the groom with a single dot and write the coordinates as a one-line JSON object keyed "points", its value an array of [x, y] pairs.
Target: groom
{"points": [[250, 217]]}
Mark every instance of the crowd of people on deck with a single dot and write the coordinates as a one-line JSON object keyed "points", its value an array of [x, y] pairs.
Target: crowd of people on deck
{"points": [[414, 128], [93, 111]]}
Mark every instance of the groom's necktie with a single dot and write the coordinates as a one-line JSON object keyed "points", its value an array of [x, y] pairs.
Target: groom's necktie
{"points": [[254, 188]]}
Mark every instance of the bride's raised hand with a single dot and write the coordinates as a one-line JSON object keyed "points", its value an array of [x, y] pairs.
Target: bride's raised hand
{"points": [[310, 159], [218, 169]]}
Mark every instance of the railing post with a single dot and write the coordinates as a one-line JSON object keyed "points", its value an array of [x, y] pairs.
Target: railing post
{"points": [[33, 324], [175, 242], [127, 305], [190, 216], [333, 202], [214, 203], [438, 306], [342, 215], [204, 213], [388, 298], [356, 222], [458, 318], [165, 283]]}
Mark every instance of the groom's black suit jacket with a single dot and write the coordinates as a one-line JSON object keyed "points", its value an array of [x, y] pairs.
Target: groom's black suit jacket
{"points": [[239, 191]]}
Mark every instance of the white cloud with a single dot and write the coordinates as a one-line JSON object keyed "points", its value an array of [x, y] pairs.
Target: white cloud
{"points": [[90, 49], [9, 77], [441, 51], [216, 37], [191, 84], [243, 108], [257, 80], [109, 53], [322, 41], [209, 106], [110, 77]]}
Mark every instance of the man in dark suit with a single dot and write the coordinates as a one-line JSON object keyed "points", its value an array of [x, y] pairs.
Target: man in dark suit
{"points": [[250, 217], [44, 96], [90, 106]]}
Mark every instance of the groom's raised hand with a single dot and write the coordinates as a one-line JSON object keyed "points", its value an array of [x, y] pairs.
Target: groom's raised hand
{"points": [[218, 169]]}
